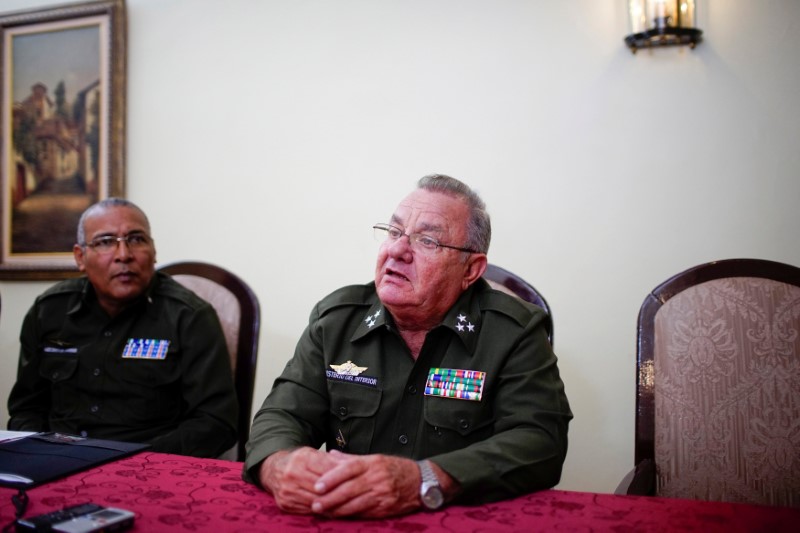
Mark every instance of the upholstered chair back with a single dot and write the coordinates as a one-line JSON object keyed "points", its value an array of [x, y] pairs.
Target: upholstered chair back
{"points": [[224, 303], [726, 376], [239, 314]]}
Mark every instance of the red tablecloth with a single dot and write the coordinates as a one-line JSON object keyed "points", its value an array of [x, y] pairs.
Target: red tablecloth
{"points": [[176, 493]]}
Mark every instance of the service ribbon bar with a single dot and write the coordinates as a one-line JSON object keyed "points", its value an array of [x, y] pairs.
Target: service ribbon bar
{"points": [[466, 381], [454, 383], [145, 349]]}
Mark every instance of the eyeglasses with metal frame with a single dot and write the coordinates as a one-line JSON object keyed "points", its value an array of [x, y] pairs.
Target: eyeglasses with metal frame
{"points": [[419, 241], [107, 244]]}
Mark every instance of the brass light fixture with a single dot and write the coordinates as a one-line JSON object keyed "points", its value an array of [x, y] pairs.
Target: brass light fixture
{"points": [[662, 23]]}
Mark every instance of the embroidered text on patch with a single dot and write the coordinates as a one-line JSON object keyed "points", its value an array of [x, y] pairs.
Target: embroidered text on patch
{"points": [[146, 349], [54, 349]]}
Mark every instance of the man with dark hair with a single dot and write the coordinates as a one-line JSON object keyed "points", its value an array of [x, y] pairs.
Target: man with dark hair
{"points": [[124, 353], [426, 385]]}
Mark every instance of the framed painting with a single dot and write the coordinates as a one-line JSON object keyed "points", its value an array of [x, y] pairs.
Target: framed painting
{"points": [[62, 97]]}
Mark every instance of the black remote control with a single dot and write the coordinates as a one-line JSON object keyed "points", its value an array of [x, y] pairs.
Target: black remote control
{"points": [[84, 517]]}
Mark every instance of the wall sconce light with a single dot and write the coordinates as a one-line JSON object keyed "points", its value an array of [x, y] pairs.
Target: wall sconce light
{"points": [[662, 23]]}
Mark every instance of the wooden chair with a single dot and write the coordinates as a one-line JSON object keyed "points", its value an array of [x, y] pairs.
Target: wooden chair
{"points": [[508, 282], [718, 385], [239, 313]]}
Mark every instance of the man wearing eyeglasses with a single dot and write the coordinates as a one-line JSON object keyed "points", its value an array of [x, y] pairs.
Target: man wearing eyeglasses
{"points": [[426, 385], [124, 353]]}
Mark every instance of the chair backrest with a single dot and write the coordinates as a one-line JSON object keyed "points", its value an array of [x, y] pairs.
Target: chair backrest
{"points": [[239, 313], [718, 383], [508, 282]]}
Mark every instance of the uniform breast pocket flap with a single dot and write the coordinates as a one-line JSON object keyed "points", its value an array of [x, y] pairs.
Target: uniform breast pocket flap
{"points": [[353, 401]]}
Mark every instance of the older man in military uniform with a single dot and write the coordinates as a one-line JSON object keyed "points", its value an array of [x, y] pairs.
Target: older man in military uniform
{"points": [[427, 386], [124, 353]]}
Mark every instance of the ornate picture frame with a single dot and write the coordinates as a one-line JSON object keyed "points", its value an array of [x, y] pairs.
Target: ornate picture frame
{"points": [[62, 107]]}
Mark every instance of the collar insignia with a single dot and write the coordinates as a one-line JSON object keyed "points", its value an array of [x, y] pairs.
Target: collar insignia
{"points": [[463, 324], [370, 319]]}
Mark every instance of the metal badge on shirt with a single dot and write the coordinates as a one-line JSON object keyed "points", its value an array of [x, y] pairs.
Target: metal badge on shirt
{"points": [[350, 372], [146, 349], [455, 383]]}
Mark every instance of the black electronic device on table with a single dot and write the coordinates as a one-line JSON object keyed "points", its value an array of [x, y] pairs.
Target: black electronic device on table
{"points": [[43, 457], [82, 518]]}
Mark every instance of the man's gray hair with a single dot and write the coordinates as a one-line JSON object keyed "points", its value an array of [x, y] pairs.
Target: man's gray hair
{"points": [[101, 205], [479, 226]]}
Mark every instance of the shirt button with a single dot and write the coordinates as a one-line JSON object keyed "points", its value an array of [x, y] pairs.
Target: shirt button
{"points": [[463, 423], [96, 372], [94, 409], [343, 411], [412, 389], [107, 333], [403, 439]]}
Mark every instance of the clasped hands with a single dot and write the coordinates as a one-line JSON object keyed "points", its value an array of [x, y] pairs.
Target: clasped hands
{"points": [[337, 484]]}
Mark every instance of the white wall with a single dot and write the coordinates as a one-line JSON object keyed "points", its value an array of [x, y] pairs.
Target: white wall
{"points": [[268, 136]]}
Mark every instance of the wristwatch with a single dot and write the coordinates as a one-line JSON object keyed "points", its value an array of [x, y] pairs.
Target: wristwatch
{"points": [[430, 492]]}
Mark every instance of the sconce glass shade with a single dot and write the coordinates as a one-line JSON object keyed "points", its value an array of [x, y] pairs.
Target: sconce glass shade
{"points": [[662, 23]]}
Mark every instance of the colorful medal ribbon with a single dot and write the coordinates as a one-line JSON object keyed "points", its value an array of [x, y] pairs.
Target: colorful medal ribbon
{"points": [[145, 349], [454, 383]]}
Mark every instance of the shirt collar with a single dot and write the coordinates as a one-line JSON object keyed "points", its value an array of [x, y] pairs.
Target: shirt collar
{"points": [[374, 319], [87, 297], [463, 319]]}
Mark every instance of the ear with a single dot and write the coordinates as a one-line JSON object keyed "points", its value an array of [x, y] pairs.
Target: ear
{"points": [[475, 267], [78, 252]]}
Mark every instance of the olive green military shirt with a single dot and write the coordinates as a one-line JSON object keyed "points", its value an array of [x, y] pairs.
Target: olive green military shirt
{"points": [[157, 373], [353, 385]]}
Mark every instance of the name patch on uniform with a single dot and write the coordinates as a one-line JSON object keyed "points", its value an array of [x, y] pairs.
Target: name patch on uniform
{"points": [[455, 383], [350, 373], [361, 380], [146, 349], [56, 349]]}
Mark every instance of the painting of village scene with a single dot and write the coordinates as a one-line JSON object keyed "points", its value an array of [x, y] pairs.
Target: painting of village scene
{"points": [[55, 153]]}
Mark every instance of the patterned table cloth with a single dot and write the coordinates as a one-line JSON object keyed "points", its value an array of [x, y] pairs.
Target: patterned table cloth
{"points": [[177, 493]]}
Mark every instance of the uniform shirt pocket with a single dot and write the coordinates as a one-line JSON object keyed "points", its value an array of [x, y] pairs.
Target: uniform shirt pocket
{"points": [[151, 372], [152, 388], [353, 401], [453, 424], [353, 410], [58, 368]]}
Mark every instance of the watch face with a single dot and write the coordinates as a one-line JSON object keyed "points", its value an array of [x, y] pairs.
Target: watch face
{"points": [[432, 498]]}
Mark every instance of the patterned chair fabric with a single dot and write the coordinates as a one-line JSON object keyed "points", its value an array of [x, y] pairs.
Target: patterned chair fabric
{"points": [[727, 392], [718, 406], [239, 314], [224, 303]]}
